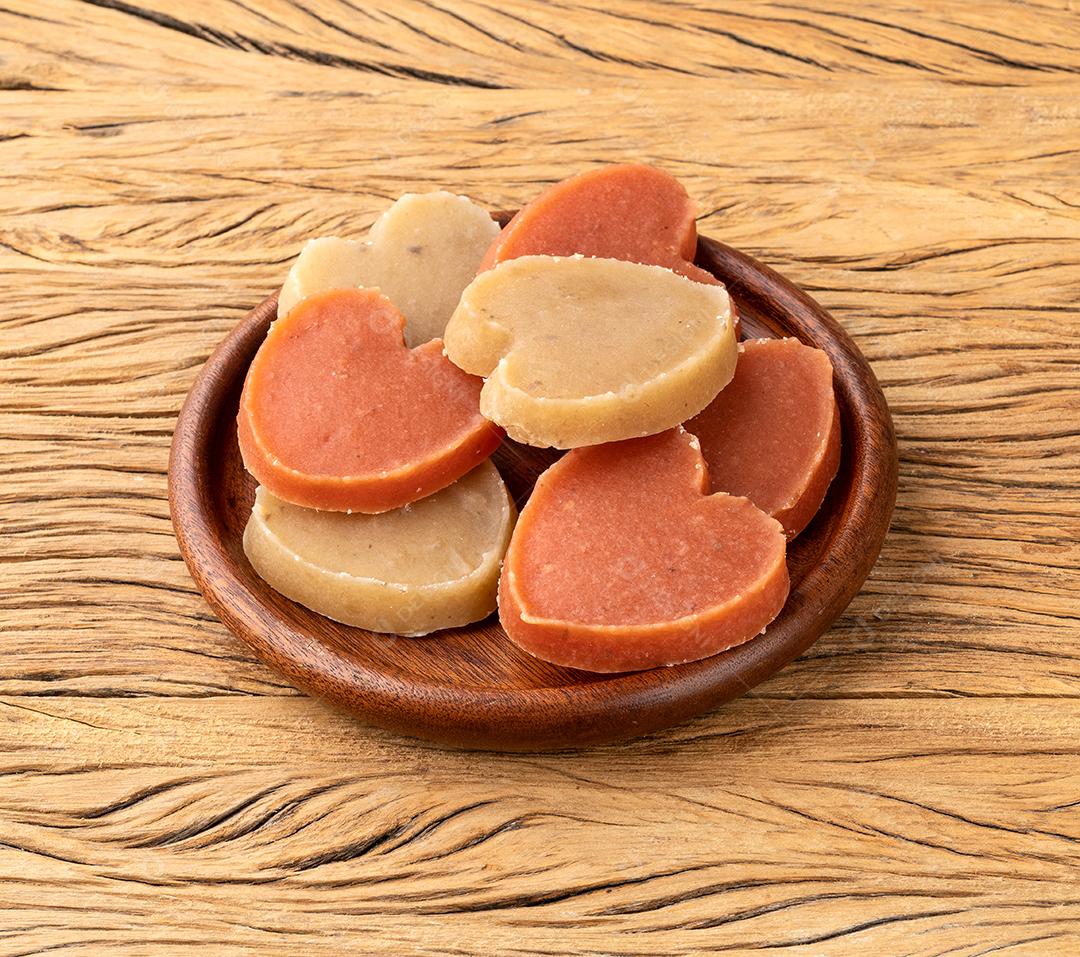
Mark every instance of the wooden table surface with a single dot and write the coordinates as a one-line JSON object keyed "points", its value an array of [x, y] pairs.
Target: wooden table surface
{"points": [[909, 786]]}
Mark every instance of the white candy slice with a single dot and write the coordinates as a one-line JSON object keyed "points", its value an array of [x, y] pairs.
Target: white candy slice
{"points": [[421, 253], [430, 565], [580, 351]]}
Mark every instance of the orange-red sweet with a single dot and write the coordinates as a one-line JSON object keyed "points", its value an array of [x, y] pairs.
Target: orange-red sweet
{"points": [[338, 414], [621, 560], [773, 433], [630, 211]]}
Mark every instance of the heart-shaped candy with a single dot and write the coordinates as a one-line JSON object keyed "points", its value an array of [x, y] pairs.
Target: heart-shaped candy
{"points": [[411, 571], [620, 560], [420, 254], [773, 433], [580, 351], [630, 211], [338, 413]]}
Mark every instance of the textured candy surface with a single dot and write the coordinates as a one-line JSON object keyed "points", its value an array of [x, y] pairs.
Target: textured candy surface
{"points": [[338, 413], [421, 253], [413, 570], [629, 211], [580, 351], [773, 433], [620, 560]]}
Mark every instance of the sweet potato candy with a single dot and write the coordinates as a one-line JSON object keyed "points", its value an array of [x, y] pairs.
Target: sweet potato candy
{"points": [[629, 211], [620, 560], [431, 565], [773, 434], [579, 351], [338, 413], [420, 254]]}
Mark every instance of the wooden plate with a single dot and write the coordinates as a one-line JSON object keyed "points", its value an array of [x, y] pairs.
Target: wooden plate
{"points": [[472, 687]]}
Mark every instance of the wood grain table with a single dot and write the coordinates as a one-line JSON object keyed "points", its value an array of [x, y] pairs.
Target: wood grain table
{"points": [[910, 786]]}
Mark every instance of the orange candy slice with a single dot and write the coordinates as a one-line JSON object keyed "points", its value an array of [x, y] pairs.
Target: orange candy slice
{"points": [[773, 433], [337, 413], [620, 560], [630, 211]]}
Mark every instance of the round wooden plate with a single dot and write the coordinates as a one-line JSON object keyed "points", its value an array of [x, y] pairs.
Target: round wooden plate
{"points": [[471, 686]]}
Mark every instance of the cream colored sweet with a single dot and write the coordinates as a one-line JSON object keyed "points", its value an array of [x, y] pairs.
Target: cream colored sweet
{"points": [[430, 565], [578, 351], [421, 253]]}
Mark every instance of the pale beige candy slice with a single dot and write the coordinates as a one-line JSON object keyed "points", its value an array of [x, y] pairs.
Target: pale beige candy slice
{"points": [[579, 351], [430, 565], [421, 253]]}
